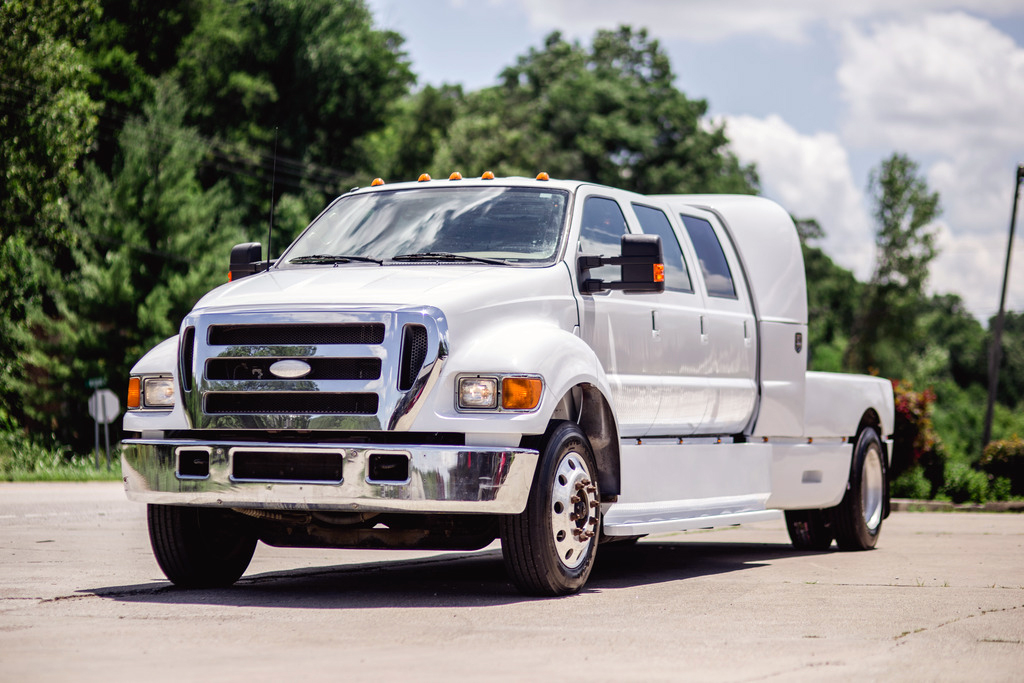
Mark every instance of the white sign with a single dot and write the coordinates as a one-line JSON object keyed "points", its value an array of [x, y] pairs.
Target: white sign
{"points": [[104, 406]]}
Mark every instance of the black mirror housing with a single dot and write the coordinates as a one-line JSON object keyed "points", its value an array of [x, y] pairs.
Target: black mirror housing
{"points": [[642, 262], [245, 260]]}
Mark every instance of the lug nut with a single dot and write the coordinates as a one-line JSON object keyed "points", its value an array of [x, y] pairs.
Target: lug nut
{"points": [[594, 504], [574, 500]]}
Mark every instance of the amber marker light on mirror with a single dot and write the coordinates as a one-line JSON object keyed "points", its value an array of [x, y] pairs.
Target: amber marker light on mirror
{"points": [[659, 272], [134, 392], [520, 393]]}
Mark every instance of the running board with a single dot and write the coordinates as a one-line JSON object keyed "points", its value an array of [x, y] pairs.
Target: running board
{"points": [[656, 523]]}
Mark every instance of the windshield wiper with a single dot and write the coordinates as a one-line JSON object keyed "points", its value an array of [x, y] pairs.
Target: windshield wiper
{"points": [[334, 258], [447, 256]]}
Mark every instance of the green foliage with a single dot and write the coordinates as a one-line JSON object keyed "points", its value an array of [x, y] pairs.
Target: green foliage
{"points": [[609, 114], [22, 459], [832, 296], [964, 484], [153, 241], [914, 438], [47, 120], [911, 484], [1004, 459], [887, 329]]}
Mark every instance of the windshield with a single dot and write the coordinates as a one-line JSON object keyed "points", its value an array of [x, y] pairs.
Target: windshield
{"points": [[508, 225]]}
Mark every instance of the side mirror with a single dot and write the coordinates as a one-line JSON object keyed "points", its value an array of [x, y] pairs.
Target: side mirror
{"points": [[245, 260], [643, 266]]}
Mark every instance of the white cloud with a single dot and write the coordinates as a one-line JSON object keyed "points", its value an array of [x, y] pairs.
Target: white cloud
{"points": [[701, 20], [948, 90], [810, 176]]}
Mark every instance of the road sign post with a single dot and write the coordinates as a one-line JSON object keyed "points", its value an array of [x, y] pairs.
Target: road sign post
{"points": [[103, 408]]}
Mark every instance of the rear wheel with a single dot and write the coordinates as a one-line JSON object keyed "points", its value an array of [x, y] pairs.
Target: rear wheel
{"points": [[857, 520], [549, 548], [200, 547], [809, 529]]}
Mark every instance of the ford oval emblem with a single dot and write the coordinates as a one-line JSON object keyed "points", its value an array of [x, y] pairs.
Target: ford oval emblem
{"points": [[290, 369]]}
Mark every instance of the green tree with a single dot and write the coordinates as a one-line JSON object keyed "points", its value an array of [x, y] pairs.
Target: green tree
{"points": [[47, 121], [609, 114], [153, 240], [887, 331]]}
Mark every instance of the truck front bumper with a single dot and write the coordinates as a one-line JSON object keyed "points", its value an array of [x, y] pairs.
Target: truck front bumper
{"points": [[344, 477]]}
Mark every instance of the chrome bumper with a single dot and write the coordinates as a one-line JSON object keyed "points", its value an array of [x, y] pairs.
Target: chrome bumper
{"points": [[437, 479]]}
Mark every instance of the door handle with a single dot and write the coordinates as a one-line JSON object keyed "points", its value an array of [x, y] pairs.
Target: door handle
{"points": [[703, 332], [655, 330]]}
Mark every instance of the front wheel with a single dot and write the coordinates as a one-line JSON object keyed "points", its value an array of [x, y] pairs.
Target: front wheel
{"points": [[549, 548], [199, 547], [857, 520]]}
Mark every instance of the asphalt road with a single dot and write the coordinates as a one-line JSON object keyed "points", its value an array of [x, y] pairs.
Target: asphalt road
{"points": [[81, 599]]}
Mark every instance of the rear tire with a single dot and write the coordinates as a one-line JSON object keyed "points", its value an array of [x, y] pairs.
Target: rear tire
{"points": [[549, 548], [200, 547], [857, 520], [809, 529]]}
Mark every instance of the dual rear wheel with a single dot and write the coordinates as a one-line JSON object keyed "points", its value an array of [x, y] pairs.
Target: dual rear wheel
{"points": [[857, 521]]}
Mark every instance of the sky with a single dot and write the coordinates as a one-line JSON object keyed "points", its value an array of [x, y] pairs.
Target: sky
{"points": [[816, 94]]}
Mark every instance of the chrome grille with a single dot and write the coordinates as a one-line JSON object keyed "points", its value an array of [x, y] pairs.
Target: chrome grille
{"points": [[367, 368]]}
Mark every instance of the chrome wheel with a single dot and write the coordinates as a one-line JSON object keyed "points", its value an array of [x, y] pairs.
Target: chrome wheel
{"points": [[871, 487], [575, 510]]}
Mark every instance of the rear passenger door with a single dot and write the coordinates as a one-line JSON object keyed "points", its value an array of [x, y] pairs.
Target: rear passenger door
{"points": [[729, 325]]}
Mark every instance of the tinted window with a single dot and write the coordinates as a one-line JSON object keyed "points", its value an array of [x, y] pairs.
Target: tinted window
{"points": [[655, 222], [713, 265], [601, 232]]}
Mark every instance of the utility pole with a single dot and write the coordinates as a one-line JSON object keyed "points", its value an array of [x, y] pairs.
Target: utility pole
{"points": [[995, 352]]}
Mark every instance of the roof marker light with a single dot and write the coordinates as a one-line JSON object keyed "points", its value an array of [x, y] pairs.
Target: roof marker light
{"points": [[543, 176], [376, 182], [455, 176], [424, 177], [487, 176]]}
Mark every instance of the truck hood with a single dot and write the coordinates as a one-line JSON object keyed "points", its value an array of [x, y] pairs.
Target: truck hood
{"points": [[453, 288]]}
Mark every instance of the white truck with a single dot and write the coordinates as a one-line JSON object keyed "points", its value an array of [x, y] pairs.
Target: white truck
{"points": [[441, 363]]}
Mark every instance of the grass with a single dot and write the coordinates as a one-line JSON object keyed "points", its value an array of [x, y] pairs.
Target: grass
{"points": [[22, 460]]}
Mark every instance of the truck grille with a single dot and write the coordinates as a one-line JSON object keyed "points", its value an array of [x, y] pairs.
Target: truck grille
{"points": [[349, 370]]}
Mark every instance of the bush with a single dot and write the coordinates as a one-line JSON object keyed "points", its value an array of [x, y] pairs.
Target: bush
{"points": [[1005, 460], [964, 483], [912, 484], [914, 439], [22, 459]]}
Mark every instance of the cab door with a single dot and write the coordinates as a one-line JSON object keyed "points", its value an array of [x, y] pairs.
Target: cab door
{"points": [[616, 325], [729, 324]]}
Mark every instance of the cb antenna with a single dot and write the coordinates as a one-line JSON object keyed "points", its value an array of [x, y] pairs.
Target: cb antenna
{"points": [[273, 181]]}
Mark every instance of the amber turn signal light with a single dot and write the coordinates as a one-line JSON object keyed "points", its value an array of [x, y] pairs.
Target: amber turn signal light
{"points": [[134, 392], [520, 393], [659, 272]]}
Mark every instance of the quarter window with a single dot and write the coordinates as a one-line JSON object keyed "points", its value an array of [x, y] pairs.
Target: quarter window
{"points": [[713, 265], [655, 222]]}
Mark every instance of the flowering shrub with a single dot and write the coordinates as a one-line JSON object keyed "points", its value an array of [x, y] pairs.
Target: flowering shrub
{"points": [[914, 439]]}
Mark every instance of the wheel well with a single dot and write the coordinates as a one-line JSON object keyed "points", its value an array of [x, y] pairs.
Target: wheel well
{"points": [[870, 419], [585, 405]]}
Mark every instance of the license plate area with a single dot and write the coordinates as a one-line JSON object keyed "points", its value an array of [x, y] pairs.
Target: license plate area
{"points": [[290, 465]]}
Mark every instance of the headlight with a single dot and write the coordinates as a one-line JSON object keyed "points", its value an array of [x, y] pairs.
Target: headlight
{"points": [[150, 392], [158, 392], [513, 393], [478, 392]]}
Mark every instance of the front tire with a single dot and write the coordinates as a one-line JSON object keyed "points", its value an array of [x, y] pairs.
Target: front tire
{"points": [[549, 548], [199, 547], [857, 520]]}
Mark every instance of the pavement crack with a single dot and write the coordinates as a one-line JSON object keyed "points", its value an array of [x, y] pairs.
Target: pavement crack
{"points": [[982, 612]]}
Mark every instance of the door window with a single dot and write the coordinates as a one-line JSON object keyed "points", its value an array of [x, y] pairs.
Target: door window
{"points": [[655, 222], [601, 231], [713, 265]]}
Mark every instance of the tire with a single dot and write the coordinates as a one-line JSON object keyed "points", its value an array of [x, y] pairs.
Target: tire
{"points": [[549, 548], [857, 520], [809, 529], [199, 547]]}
